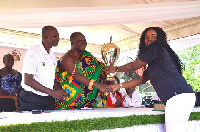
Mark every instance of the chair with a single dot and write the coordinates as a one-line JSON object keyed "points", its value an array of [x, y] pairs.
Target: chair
{"points": [[8, 103]]}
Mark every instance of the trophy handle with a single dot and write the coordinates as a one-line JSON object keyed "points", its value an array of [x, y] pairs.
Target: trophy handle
{"points": [[111, 62]]}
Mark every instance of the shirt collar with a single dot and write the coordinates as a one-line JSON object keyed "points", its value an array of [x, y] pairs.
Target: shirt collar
{"points": [[44, 51]]}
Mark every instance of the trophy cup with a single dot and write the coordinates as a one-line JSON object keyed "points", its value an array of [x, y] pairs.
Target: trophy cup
{"points": [[110, 53]]}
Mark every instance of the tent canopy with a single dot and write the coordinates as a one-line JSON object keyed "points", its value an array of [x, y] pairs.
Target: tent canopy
{"points": [[98, 20]]}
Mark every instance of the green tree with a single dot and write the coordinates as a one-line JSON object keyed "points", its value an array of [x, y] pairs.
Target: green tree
{"points": [[191, 61]]}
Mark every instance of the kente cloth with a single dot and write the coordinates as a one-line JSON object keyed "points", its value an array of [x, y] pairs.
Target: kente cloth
{"points": [[78, 95], [11, 83]]}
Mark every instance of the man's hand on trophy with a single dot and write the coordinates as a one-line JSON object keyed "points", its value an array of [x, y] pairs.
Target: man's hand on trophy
{"points": [[114, 87], [104, 88]]}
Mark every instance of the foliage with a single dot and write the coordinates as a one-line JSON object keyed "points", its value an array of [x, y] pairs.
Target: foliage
{"points": [[126, 76], [90, 124], [191, 61]]}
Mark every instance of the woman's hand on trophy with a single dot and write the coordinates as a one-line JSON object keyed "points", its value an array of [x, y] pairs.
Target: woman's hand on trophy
{"points": [[110, 69]]}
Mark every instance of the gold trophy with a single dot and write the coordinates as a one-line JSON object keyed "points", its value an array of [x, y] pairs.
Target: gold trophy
{"points": [[110, 53]]}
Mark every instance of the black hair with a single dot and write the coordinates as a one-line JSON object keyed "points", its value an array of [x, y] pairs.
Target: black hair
{"points": [[161, 42], [73, 35], [6, 56], [45, 29]]}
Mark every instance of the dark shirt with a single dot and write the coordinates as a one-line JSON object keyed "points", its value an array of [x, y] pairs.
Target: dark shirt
{"points": [[163, 73]]}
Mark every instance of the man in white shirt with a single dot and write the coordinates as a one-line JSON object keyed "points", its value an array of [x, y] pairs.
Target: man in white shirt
{"points": [[132, 98], [38, 74]]}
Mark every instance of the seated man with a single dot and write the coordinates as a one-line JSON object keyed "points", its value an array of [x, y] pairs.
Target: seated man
{"points": [[132, 98], [154, 99]]}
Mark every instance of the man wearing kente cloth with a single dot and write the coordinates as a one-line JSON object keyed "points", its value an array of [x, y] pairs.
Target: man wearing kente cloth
{"points": [[79, 74]]}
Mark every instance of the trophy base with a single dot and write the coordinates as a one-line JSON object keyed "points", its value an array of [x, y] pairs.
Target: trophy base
{"points": [[108, 81], [111, 80]]}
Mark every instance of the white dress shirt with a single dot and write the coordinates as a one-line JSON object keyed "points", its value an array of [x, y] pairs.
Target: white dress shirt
{"points": [[41, 65], [135, 101]]}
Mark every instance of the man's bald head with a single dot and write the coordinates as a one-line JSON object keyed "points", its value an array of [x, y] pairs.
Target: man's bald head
{"points": [[46, 29]]}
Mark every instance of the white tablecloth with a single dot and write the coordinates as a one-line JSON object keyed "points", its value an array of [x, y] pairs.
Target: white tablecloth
{"points": [[7, 118], [61, 115]]}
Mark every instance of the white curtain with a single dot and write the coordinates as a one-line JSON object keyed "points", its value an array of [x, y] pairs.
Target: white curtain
{"points": [[103, 15]]}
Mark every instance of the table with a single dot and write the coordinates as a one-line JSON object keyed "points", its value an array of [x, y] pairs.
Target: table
{"points": [[7, 118], [61, 115]]}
